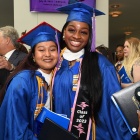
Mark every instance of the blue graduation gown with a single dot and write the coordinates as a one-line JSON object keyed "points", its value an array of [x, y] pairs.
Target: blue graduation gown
{"points": [[17, 109], [111, 125]]}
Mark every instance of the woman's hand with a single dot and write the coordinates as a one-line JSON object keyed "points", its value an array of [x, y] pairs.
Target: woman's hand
{"points": [[124, 85]]}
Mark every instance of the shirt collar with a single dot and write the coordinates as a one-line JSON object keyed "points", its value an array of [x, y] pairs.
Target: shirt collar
{"points": [[7, 55], [47, 77], [68, 55]]}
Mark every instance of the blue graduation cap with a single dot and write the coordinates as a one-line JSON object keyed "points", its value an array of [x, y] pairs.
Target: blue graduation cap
{"points": [[80, 12], [42, 32], [83, 13]]}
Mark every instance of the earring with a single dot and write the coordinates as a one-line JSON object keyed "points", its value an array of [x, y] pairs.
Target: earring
{"points": [[33, 59], [63, 37]]}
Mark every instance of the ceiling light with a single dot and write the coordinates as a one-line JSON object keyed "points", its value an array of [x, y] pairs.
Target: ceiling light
{"points": [[115, 12], [128, 33]]}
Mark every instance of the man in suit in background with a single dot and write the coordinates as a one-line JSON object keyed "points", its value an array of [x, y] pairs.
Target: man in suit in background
{"points": [[10, 56]]}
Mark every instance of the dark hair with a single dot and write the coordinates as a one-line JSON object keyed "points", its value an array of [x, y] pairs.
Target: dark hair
{"points": [[27, 64], [22, 48], [103, 50], [91, 80], [120, 45], [106, 52], [62, 42]]}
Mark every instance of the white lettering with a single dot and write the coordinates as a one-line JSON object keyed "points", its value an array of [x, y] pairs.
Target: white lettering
{"points": [[81, 120], [81, 112]]}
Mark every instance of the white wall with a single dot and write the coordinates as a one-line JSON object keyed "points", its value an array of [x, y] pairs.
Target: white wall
{"points": [[26, 20], [102, 23]]}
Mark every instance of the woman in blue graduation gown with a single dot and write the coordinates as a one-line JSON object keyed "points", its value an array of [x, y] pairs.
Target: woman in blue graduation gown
{"points": [[27, 87], [85, 81]]}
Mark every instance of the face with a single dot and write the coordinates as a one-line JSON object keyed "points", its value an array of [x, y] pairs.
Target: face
{"points": [[76, 35], [46, 56], [126, 49], [2, 44], [119, 53]]}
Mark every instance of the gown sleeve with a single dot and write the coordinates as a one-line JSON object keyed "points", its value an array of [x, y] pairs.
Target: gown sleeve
{"points": [[110, 125], [16, 119]]}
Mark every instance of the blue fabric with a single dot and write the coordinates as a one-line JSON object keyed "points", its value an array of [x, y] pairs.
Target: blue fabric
{"points": [[80, 12], [17, 110], [57, 118], [40, 33], [42, 37], [63, 86], [111, 125], [123, 75]]}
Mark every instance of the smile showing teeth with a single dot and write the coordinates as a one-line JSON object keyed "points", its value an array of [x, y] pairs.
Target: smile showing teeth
{"points": [[74, 43], [47, 60]]}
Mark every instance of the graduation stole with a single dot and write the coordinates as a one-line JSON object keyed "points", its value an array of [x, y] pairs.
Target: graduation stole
{"points": [[80, 122], [41, 100]]}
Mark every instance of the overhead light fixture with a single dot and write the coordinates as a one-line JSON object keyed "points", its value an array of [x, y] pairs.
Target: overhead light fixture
{"points": [[128, 30], [115, 12], [128, 33]]}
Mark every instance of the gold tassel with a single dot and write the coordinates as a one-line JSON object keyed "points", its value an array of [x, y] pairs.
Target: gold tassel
{"points": [[39, 106], [93, 130]]}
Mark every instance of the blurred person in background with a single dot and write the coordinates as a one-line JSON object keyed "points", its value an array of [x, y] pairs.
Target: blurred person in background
{"points": [[10, 56], [119, 56], [130, 70], [105, 51]]}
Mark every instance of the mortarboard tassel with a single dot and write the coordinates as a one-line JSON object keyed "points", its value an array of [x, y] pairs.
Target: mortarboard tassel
{"points": [[93, 45], [58, 46]]}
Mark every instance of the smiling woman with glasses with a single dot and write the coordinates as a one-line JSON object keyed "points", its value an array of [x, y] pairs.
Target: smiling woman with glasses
{"points": [[119, 56]]}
